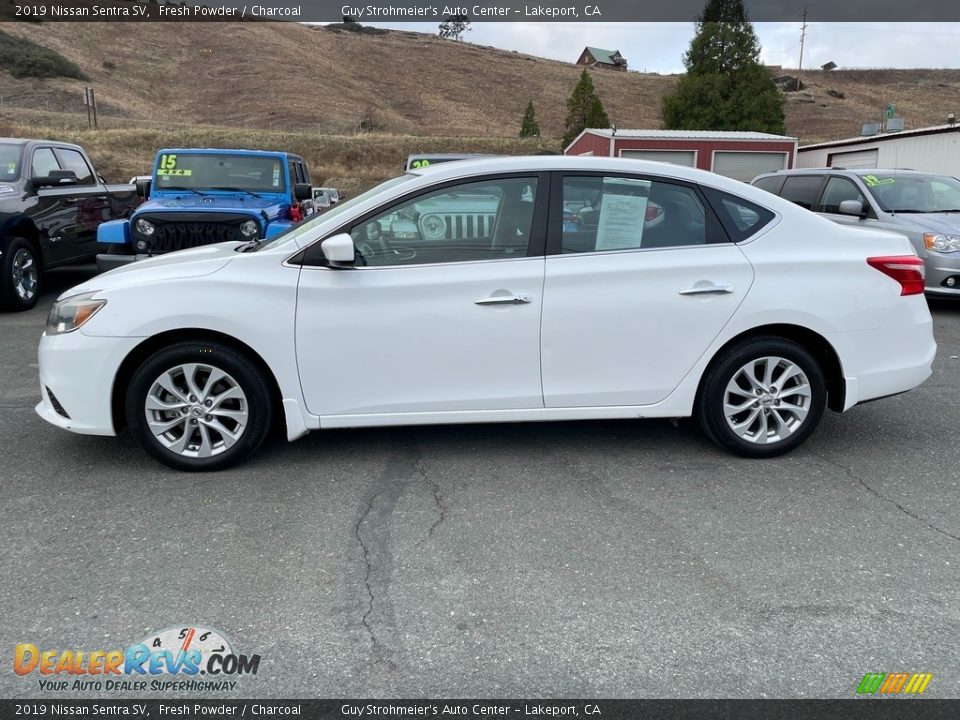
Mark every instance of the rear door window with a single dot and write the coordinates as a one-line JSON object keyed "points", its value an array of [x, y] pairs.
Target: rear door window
{"points": [[802, 189], [72, 160]]}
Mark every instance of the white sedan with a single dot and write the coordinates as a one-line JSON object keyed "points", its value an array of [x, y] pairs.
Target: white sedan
{"points": [[403, 306]]}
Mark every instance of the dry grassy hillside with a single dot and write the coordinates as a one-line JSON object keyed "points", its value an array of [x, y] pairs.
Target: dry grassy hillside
{"points": [[301, 78], [284, 76]]}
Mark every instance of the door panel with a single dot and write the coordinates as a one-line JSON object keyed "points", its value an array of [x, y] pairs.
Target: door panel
{"points": [[414, 339], [617, 331]]}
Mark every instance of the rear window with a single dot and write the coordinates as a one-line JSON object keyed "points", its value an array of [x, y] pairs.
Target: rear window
{"points": [[801, 189], [771, 183], [740, 218]]}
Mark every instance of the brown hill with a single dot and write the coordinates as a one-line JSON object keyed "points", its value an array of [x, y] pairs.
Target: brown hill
{"points": [[284, 76]]}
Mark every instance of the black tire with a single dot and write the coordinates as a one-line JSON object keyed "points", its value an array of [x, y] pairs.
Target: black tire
{"points": [[768, 419], [19, 292], [256, 403]]}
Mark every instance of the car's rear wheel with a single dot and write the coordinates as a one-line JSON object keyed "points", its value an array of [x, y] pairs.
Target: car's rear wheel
{"points": [[19, 275], [762, 398], [199, 406]]}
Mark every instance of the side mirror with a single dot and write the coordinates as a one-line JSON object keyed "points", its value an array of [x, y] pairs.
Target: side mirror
{"points": [[56, 178], [338, 251], [302, 191], [143, 188], [852, 207]]}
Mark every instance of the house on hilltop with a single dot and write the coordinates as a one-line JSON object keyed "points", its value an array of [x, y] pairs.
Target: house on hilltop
{"points": [[595, 57]]}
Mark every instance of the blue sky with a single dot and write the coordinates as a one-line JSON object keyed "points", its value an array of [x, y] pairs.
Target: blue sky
{"points": [[659, 47]]}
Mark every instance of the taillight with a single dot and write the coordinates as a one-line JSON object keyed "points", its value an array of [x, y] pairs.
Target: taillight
{"points": [[905, 269]]}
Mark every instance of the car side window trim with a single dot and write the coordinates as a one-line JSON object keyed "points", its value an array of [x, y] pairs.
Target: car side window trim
{"points": [[312, 257], [555, 219]]}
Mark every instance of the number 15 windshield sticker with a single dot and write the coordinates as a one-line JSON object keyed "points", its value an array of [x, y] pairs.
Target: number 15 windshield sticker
{"points": [[168, 166]]}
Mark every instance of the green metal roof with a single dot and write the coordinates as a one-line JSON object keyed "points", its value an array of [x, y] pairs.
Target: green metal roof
{"points": [[603, 56]]}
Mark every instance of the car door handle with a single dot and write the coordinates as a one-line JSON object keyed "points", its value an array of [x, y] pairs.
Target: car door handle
{"points": [[503, 300], [708, 290]]}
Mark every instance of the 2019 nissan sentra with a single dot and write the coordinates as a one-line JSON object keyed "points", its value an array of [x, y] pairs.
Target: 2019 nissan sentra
{"points": [[402, 306]]}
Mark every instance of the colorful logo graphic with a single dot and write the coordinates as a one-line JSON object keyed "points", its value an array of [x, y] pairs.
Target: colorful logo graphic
{"points": [[894, 683], [177, 651]]}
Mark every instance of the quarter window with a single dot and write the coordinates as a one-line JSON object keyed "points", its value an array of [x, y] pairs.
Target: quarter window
{"points": [[837, 190], [486, 220], [620, 213], [801, 189], [44, 162], [741, 218], [72, 160]]}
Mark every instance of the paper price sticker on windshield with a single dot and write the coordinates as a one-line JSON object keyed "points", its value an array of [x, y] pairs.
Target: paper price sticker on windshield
{"points": [[873, 180], [185, 172]]}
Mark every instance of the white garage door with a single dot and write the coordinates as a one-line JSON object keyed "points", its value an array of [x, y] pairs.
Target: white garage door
{"points": [[746, 166], [677, 157], [859, 159]]}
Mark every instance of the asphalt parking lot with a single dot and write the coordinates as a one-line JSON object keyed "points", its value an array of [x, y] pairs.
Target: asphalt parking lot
{"points": [[593, 559]]}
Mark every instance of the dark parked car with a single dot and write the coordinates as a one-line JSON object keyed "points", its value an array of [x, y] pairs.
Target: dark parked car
{"points": [[51, 203]]}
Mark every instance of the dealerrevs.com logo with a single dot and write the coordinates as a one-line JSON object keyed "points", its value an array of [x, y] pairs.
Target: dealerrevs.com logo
{"points": [[186, 658]]}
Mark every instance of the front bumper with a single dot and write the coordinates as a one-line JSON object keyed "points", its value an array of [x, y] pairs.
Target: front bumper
{"points": [[938, 268], [80, 371]]}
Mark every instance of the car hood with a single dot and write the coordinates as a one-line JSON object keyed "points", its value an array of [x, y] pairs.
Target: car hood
{"points": [[947, 223], [212, 203], [194, 262]]}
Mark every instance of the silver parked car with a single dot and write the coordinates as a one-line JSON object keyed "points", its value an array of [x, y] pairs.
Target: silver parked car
{"points": [[923, 206]]}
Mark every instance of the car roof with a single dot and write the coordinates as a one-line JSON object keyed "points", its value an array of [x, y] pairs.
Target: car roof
{"points": [[30, 141], [853, 171], [581, 163], [226, 151]]}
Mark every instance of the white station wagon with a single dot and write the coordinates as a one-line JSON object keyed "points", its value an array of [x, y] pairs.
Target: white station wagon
{"points": [[575, 288]]}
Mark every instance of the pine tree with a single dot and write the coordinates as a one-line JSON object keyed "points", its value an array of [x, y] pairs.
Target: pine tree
{"points": [[584, 110], [726, 86], [529, 126], [454, 27]]}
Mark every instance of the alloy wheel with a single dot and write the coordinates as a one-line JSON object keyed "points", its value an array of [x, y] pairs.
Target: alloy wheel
{"points": [[767, 400], [25, 275], [196, 410]]}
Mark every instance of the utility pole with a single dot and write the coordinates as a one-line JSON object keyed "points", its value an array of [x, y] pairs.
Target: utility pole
{"points": [[803, 36]]}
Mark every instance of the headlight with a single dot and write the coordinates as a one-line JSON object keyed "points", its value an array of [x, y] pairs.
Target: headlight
{"points": [[145, 227], [249, 228], [69, 314], [942, 243]]}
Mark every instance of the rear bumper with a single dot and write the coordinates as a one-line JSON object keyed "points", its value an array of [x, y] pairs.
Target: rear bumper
{"points": [[886, 361]]}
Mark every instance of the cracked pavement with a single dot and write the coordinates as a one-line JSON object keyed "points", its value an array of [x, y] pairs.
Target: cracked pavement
{"points": [[601, 559]]}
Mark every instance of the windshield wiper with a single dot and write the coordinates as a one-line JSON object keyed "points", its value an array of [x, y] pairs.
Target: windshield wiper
{"points": [[182, 189], [948, 210], [236, 189], [910, 211]]}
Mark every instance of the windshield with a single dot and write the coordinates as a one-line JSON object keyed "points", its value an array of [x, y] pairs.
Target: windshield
{"points": [[896, 193], [9, 161], [307, 225], [237, 173]]}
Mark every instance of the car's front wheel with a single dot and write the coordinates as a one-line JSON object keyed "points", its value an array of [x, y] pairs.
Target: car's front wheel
{"points": [[199, 406], [762, 397]]}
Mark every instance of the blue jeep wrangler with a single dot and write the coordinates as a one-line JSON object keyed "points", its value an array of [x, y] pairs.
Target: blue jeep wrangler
{"points": [[200, 197]]}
